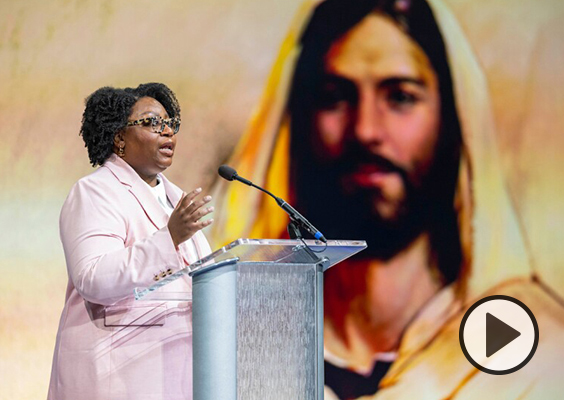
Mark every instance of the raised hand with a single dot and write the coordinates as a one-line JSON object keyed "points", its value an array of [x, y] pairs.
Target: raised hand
{"points": [[184, 221]]}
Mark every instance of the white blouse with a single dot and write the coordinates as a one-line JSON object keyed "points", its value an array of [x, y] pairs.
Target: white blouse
{"points": [[160, 194]]}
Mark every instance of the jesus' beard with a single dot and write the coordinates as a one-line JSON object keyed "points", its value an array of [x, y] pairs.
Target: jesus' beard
{"points": [[345, 213]]}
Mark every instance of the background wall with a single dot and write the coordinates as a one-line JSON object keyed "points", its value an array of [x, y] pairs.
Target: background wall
{"points": [[215, 55]]}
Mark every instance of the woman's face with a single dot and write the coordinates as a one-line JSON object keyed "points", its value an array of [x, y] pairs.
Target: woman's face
{"points": [[147, 152]]}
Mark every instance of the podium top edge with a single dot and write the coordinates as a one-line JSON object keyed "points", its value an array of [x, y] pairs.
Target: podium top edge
{"points": [[294, 242]]}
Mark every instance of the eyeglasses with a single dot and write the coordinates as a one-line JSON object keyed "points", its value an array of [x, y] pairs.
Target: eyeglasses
{"points": [[158, 124]]}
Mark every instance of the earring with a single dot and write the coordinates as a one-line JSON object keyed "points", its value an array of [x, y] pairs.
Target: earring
{"points": [[121, 151]]}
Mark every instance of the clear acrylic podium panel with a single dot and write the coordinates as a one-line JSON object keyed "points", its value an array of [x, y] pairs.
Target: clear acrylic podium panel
{"points": [[257, 250]]}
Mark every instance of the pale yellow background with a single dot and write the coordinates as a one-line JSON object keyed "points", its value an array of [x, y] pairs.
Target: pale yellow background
{"points": [[216, 55]]}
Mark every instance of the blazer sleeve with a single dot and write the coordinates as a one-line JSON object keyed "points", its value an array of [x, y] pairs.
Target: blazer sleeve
{"points": [[93, 231]]}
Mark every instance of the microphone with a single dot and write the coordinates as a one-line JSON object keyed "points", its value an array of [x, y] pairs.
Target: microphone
{"points": [[228, 173]]}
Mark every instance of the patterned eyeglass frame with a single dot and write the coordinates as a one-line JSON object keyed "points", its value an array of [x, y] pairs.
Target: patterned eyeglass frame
{"points": [[150, 121]]}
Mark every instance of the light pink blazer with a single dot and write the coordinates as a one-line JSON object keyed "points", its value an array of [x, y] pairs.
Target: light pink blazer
{"points": [[109, 346]]}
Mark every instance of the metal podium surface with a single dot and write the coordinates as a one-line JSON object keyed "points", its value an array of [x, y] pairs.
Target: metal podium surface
{"points": [[257, 317]]}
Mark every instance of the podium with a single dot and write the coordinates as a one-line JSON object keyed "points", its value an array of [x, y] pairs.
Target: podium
{"points": [[257, 317]]}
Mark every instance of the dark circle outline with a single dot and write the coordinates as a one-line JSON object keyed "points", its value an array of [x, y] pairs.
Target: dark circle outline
{"points": [[463, 324]]}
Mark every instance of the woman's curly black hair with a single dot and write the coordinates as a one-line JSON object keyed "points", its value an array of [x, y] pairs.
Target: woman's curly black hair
{"points": [[107, 111]]}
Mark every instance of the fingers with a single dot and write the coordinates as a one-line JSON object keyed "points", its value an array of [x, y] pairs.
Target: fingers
{"points": [[195, 205], [202, 224], [195, 216], [202, 213], [179, 204], [189, 211], [185, 221], [188, 198]]}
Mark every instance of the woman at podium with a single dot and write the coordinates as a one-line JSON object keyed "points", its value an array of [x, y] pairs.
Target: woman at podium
{"points": [[126, 226]]}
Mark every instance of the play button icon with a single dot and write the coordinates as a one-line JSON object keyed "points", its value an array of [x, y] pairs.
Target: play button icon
{"points": [[499, 334]]}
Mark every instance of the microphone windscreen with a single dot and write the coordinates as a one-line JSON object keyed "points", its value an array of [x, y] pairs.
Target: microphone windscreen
{"points": [[226, 172]]}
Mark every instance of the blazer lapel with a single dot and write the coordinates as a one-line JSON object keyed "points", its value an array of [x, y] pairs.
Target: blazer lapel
{"points": [[128, 177]]}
